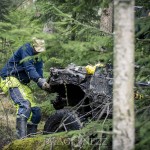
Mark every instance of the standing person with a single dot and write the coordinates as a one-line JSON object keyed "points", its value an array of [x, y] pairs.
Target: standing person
{"points": [[15, 76]]}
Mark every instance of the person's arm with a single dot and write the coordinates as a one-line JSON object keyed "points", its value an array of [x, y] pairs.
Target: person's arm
{"points": [[42, 82], [29, 67], [34, 73], [39, 67]]}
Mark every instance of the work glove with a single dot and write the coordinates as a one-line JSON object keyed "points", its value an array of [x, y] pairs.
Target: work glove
{"points": [[42, 83]]}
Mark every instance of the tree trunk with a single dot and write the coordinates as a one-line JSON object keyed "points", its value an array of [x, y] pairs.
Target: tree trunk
{"points": [[123, 100], [106, 19]]}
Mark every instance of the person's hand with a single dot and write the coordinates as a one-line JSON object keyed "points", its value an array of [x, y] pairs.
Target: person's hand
{"points": [[42, 83]]}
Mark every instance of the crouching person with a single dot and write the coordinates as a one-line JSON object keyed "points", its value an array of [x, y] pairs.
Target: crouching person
{"points": [[15, 76]]}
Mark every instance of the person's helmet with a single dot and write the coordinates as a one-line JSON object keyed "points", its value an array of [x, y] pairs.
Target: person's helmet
{"points": [[38, 44]]}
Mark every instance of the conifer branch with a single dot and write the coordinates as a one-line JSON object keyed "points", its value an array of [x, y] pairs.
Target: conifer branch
{"points": [[79, 23]]}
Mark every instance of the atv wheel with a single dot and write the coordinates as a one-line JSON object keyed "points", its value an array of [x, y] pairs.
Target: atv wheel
{"points": [[62, 120]]}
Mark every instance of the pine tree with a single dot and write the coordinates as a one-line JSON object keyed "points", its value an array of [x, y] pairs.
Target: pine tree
{"points": [[4, 6], [75, 26]]}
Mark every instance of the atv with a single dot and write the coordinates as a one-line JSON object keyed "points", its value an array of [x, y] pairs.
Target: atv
{"points": [[81, 97]]}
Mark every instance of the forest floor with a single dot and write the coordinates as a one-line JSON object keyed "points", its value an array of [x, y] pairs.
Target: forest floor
{"points": [[8, 121]]}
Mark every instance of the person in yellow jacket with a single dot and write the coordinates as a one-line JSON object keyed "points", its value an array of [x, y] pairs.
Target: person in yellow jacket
{"points": [[15, 76]]}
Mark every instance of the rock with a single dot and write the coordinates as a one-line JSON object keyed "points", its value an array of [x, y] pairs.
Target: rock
{"points": [[58, 141]]}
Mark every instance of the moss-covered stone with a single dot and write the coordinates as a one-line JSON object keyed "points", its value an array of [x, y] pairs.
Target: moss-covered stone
{"points": [[56, 141], [86, 139], [26, 144]]}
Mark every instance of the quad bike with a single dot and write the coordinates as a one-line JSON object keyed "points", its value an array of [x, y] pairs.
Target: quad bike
{"points": [[81, 97]]}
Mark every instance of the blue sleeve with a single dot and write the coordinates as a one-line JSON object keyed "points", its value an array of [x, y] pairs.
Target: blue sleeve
{"points": [[29, 67], [39, 67]]}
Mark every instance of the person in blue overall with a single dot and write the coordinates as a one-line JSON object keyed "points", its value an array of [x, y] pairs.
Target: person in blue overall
{"points": [[15, 76]]}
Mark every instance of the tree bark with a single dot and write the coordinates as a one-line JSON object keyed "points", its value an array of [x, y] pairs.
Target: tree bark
{"points": [[106, 19], [123, 94]]}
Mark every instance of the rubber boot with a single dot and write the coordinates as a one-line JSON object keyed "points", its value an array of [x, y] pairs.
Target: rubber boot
{"points": [[31, 129], [21, 126]]}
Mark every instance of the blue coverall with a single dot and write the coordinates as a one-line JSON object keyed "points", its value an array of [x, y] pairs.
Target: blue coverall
{"points": [[14, 78]]}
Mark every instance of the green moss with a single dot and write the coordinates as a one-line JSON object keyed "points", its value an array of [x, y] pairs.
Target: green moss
{"points": [[57, 141], [37, 143], [63, 140], [25, 144]]}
